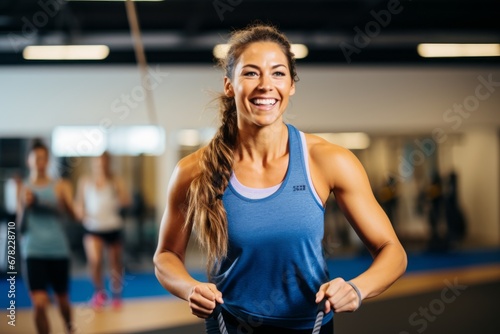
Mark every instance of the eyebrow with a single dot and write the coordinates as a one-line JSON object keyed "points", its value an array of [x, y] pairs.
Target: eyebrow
{"points": [[257, 67]]}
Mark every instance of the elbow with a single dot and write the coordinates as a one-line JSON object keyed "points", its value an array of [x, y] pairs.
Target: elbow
{"points": [[157, 266], [156, 260], [403, 262]]}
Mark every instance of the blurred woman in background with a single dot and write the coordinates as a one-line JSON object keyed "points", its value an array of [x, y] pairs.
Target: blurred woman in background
{"points": [[42, 203], [99, 199]]}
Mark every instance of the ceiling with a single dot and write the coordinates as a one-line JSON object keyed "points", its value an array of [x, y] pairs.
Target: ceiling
{"points": [[185, 31]]}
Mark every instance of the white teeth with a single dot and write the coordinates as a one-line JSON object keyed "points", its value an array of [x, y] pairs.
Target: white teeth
{"points": [[264, 101]]}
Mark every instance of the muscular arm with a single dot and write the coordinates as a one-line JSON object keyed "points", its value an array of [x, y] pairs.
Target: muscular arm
{"points": [[355, 198], [342, 172], [173, 239]]}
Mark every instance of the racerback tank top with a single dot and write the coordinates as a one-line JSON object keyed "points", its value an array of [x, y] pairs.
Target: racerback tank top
{"points": [[275, 262]]}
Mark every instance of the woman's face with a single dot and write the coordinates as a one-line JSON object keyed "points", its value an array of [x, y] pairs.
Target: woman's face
{"points": [[100, 165], [38, 160], [261, 84]]}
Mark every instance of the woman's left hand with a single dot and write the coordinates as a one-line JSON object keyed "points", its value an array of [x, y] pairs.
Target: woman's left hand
{"points": [[341, 297]]}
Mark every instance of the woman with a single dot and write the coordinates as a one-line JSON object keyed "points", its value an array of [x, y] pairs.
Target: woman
{"points": [[255, 197], [99, 199], [44, 245]]}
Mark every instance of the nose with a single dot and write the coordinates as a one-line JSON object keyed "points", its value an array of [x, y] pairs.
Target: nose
{"points": [[265, 83]]}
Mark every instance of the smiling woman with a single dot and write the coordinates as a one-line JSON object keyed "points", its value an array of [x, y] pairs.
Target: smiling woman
{"points": [[261, 86], [255, 197]]}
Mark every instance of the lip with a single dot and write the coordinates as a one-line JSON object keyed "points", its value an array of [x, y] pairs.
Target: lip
{"points": [[264, 107], [264, 97]]}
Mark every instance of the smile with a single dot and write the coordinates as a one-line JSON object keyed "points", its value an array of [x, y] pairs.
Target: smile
{"points": [[264, 102]]}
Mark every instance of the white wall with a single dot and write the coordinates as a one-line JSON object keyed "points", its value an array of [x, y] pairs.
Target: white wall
{"points": [[388, 99], [35, 99]]}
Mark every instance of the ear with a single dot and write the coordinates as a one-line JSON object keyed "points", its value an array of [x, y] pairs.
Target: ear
{"points": [[292, 89], [228, 87]]}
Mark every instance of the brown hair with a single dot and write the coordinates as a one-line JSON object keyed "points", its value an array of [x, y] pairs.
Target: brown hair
{"points": [[38, 144], [206, 213]]}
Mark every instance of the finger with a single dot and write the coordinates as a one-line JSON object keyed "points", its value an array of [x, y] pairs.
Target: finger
{"points": [[218, 297], [207, 292], [328, 307], [321, 292], [346, 300], [200, 308], [217, 293], [202, 298], [346, 305]]}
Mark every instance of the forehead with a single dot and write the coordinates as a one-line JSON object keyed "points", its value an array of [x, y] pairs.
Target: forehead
{"points": [[101, 158], [263, 52], [39, 151]]}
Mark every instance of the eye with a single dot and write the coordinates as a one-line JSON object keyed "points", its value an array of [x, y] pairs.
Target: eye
{"points": [[280, 74], [250, 74]]}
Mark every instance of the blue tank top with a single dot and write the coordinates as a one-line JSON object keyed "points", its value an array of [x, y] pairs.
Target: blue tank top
{"points": [[275, 262], [44, 235]]}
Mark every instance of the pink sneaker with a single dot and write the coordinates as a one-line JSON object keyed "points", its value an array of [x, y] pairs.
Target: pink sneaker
{"points": [[98, 300], [116, 304]]}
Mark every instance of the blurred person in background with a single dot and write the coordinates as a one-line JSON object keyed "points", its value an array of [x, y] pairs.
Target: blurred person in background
{"points": [[434, 199], [455, 219], [255, 197], [99, 199], [42, 204]]}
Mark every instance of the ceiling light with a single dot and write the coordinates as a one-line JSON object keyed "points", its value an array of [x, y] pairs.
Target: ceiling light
{"points": [[65, 52], [220, 50], [458, 50], [299, 50], [72, 141]]}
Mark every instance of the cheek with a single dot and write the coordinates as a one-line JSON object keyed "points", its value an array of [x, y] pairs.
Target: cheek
{"points": [[286, 90]]}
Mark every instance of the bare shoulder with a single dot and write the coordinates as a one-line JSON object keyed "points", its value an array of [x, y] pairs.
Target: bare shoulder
{"points": [[335, 163], [322, 150], [187, 169]]}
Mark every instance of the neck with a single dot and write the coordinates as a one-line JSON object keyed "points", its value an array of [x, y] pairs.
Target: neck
{"points": [[262, 143], [101, 177], [38, 177]]}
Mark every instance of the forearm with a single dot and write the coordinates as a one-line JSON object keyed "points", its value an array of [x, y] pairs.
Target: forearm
{"points": [[172, 274], [388, 265]]}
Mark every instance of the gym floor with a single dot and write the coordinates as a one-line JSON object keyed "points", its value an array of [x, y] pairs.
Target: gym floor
{"points": [[462, 298]]}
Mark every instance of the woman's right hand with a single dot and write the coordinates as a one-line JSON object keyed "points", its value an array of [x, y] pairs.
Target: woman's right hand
{"points": [[203, 299], [29, 198]]}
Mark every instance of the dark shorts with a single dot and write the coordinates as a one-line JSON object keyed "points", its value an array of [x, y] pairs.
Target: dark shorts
{"points": [[237, 326], [45, 273], [109, 237]]}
